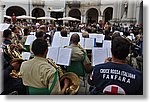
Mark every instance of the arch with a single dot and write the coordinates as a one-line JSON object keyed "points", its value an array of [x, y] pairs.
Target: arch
{"points": [[75, 13], [108, 12], [92, 15], [18, 11], [38, 12]]}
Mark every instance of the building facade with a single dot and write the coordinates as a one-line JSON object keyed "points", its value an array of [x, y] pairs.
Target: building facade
{"points": [[88, 11]]}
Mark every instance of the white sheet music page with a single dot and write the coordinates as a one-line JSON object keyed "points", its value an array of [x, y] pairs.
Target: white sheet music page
{"points": [[99, 56], [89, 43], [64, 56], [53, 53], [64, 41], [109, 54], [26, 55], [99, 37], [4, 26], [56, 41], [82, 42], [30, 39], [107, 44]]}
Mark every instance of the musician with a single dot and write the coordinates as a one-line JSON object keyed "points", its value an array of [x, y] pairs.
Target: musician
{"points": [[63, 33], [7, 37], [15, 34], [37, 72], [26, 33], [117, 77], [10, 83], [78, 52], [46, 36], [40, 34], [9, 64]]}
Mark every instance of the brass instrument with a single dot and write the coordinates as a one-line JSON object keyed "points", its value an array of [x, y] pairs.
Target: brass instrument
{"points": [[74, 81], [15, 55]]}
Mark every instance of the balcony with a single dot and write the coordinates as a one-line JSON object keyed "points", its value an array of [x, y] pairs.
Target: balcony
{"points": [[75, 4], [38, 3]]}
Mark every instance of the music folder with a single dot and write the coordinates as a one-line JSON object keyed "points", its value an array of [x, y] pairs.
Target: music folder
{"points": [[59, 55], [99, 55]]}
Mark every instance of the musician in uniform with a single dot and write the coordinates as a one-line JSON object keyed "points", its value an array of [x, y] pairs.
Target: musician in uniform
{"points": [[10, 83], [37, 72], [116, 76], [78, 53]]}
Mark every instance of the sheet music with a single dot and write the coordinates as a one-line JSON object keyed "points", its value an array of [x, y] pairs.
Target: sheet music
{"points": [[30, 39], [107, 44], [109, 54], [82, 42], [53, 53], [99, 37], [89, 43], [64, 41], [57, 34], [64, 56], [33, 33], [60, 41], [56, 41], [26, 55], [4, 26], [99, 56]]}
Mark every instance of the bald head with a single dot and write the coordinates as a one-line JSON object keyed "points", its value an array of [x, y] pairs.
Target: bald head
{"points": [[75, 38]]}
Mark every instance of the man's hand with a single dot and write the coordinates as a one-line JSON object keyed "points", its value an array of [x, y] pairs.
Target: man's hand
{"points": [[108, 59], [15, 65], [66, 84]]}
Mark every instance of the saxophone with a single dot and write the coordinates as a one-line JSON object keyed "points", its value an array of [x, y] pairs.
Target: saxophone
{"points": [[74, 81]]}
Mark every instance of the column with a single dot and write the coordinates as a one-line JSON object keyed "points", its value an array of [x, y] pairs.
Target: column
{"points": [[82, 18], [1, 12], [131, 10], [99, 18], [115, 10], [139, 12], [85, 19]]}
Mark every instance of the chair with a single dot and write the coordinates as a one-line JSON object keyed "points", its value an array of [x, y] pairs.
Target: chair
{"points": [[78, 68], [38, 91]]}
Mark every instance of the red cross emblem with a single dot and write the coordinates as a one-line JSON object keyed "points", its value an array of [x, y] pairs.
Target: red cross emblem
{"points": [[113, 90]]}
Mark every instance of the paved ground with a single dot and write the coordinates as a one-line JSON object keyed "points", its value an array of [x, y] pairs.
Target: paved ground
{"points": [[84, 87]]}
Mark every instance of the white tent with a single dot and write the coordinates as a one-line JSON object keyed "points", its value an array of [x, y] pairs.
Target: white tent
{"points": [[25, 17], [69, 19], [5, 16], [46, 18]]}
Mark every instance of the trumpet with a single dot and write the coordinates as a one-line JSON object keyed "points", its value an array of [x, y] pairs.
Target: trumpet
{"points": [[74, 81]]}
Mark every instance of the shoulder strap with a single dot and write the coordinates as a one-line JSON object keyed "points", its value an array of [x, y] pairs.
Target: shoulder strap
{"points": [[54, 81], [84, 55]]}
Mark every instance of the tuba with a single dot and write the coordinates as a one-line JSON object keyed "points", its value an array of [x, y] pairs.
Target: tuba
{"points": [[74, 81]]}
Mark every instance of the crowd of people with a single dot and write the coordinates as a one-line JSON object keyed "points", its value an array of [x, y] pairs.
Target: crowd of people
{"points": [[120, 74]]}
